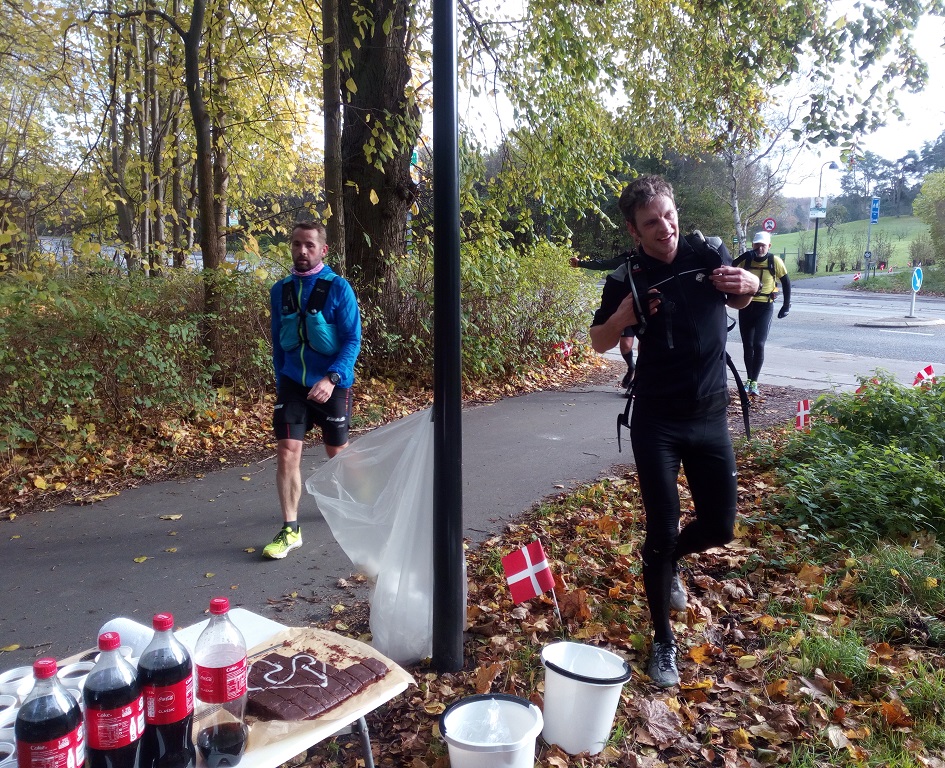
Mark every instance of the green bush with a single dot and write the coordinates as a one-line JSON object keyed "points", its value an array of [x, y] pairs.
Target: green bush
{"points": [[517, 303], [921, 250], [871, 465], [106, 349]]}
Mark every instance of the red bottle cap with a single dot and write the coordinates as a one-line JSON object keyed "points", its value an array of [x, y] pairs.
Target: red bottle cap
{"points": [[219, 605], [109, 641], [162, 622], [44, 668]]}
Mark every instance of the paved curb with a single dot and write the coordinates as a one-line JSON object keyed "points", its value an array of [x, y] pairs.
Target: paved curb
{"points": [[900, 322]]}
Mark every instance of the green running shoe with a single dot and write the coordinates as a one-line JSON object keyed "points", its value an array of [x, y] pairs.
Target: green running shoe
{"points": [[286, 540]]}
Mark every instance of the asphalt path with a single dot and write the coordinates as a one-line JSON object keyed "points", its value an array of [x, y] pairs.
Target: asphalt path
{"points": [[69, 570]]}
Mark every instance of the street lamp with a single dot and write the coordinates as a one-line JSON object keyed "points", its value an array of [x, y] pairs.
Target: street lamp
{"points": [[833, 167]]}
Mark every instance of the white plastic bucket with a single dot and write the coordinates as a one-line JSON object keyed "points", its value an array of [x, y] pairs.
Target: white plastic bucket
{"points": [[582, 690], [491, 730]]}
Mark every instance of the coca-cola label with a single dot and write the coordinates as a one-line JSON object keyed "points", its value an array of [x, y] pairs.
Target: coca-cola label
{"points": [[167, 704], [115, 728], [217, 685], [65, 752]]}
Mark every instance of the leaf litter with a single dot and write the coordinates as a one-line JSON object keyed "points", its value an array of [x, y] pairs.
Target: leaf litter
{"points": [[744, 700]]}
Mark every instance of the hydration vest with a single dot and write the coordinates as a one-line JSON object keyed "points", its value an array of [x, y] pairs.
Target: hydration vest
{"points": [[315, 332]]}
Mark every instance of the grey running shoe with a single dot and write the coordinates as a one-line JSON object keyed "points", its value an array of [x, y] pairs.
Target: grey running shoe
{"points": [[677, 594], [662, 667]]}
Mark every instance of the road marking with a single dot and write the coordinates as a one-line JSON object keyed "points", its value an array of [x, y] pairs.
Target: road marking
{"points": [[905, 333]]}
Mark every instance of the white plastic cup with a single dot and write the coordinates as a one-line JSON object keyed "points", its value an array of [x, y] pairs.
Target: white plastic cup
{"points": [[17, 682], [582, 690], [14, 681], [8, 701], [7, 722], [7, 753], [512, 744], [74, 675]]}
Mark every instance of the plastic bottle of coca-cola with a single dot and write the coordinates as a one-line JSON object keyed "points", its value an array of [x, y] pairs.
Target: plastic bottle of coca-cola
{"points": [[220, 658], [166, 674], [48, 727], [114, 708]]}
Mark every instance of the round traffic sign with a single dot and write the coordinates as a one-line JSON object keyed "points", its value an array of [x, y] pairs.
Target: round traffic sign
{"points": [[867, 255], [916, 279], [769, 225]]}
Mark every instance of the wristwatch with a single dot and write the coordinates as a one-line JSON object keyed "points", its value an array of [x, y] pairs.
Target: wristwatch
{"points": [[334, 378]]}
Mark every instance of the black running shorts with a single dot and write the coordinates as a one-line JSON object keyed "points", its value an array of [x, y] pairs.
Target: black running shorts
{"points": [[294, 414]]}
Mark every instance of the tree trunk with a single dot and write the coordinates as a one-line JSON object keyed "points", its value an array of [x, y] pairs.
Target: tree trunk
{"points": [[332, 89], [375, 232], [212, 246]]}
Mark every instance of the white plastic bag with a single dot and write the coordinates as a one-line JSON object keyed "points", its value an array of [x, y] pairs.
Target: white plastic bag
{"points": [[377, 497]]}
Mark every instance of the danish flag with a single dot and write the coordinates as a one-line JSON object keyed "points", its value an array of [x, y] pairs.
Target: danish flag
{"points": [[927, 374], [803, 415], [528, 572], [856, 276]]}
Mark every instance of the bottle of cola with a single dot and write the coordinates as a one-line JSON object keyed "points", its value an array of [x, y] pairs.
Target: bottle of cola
{"points": [[114, 708], [166, 674], [220, 658], [48, 727]]}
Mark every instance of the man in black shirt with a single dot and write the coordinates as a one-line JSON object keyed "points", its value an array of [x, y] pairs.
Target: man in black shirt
{"points": [[680, 393]]}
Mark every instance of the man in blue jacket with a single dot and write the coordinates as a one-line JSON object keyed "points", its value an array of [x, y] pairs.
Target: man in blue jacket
{"points": [[316, 337]]}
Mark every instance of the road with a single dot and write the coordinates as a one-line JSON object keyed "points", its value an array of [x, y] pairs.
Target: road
{"points": [[858, 325]]}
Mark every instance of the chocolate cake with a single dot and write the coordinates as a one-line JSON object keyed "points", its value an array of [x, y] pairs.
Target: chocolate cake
{"points": [[301, 687]]}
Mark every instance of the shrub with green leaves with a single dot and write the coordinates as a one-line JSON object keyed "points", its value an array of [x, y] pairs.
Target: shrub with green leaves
{"points": [[106, 349], [517, 303], [871, 465]]}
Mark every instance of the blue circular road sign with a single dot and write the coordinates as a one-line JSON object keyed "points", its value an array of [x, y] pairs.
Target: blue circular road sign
{"points": [[916, 279]]}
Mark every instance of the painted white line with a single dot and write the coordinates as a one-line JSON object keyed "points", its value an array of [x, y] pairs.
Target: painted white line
{"points": [[904, 333]]}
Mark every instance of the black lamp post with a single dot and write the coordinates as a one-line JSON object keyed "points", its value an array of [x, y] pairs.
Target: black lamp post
{"points": [[833, 167]]}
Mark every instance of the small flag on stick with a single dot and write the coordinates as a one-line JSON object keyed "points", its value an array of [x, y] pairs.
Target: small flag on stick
{"points": [[803, 414], [856, 276], [528, 572], [926, 375]]}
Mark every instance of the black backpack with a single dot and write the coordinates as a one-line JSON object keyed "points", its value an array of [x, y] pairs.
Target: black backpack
{"points": [[747, 257], [708, 249]]}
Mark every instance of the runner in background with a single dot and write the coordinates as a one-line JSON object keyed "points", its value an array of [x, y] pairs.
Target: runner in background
{"points": [[754, 321]]}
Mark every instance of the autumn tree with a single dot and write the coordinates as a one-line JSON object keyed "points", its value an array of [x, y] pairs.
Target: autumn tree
{"points": [[930, 207], [381, 126]]}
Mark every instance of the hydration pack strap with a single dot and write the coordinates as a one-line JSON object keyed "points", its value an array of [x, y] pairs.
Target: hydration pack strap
{"points": [[316, 299], [742, 394]]}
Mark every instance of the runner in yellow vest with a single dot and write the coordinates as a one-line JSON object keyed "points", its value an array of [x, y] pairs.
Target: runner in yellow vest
{"points": [[754, 321]]}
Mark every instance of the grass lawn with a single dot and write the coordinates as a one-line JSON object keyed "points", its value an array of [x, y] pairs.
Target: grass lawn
{"points": [[842, 246]]}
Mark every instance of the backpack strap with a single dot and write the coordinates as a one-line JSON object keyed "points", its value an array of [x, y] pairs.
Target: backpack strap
{"points": [[316, 299], [707, 247], [290, 302], [319, 295], [742, 394]]}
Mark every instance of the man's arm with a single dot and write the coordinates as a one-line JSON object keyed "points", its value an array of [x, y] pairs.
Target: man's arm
{"points": [[786, 304], [599, 264], [605, 335], [275, 310], [739, 285]]}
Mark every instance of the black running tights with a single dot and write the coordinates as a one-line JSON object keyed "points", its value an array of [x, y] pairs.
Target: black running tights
{"points": [[754, 322], [701, 444]]}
